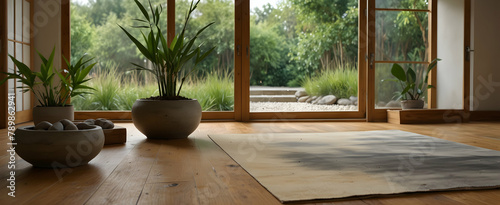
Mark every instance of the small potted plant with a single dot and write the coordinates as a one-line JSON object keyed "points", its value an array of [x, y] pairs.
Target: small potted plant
{"points": [[413, 84], [52, 96], [169, 115]]}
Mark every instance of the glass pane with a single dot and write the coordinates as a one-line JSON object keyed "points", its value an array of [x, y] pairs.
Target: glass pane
{"points": [[401, 36], [10, 66], [386, 91], [405, 4], [19, 20], [94, 33], [10, 17], [27, 55], [26, 22], [27, 61], [19, 94], [302, 60], [212, 84]]}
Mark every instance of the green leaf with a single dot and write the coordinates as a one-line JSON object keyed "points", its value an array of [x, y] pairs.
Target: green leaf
{"points": [[398, 72], [141, 47], [411, 76], [143, 10]]}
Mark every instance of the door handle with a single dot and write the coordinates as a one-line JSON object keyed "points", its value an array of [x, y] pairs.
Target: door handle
{"points": [[468, 50]]}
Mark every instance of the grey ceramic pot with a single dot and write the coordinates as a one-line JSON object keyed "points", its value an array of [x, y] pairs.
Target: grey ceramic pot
{"points": [[166, 119], [58, 149], [53, 114], [412, 104]]}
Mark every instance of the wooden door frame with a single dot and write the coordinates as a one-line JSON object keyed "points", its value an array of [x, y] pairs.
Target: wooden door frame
{"points": [[3, 64], [25, 115], [359, 115], [380, 115]]}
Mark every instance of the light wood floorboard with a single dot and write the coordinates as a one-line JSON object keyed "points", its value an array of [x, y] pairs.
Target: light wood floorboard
{"points": [[197, 171]]}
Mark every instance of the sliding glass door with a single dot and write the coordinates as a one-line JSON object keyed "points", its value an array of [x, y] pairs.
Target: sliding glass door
{"points": [[304, 60], [399, 32]]}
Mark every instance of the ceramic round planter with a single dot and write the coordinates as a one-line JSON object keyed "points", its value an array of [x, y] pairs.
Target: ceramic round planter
{"points": [[412, 104], [166, 119], [53, 114], [58, 149]]}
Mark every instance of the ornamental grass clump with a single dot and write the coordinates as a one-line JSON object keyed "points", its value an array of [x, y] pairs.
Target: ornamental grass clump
{"points": [[168, 60]]}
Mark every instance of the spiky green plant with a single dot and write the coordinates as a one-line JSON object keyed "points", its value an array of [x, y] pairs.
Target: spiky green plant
{"points": [[71, 83], [168, 61]]}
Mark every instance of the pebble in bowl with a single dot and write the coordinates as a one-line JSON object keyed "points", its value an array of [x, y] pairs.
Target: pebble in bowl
{"points": [[54, 146]]}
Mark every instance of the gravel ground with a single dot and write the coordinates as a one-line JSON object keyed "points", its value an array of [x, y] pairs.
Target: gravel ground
{"points": [[297, 107]]}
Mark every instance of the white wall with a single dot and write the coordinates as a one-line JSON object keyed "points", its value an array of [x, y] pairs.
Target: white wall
{"points": [[47, 30], [450, 46], [485, 68]]}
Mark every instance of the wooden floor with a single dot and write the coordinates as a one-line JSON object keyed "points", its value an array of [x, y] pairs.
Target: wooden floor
{"points": [[196, 171]]}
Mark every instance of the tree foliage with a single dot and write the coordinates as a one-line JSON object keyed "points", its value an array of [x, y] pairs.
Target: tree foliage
{"points": [[289, 40]]}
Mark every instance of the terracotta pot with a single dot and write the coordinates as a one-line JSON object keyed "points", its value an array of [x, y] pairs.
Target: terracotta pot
{"points": [[412, 104], [53, 114], [57, 149], [166, 119]]}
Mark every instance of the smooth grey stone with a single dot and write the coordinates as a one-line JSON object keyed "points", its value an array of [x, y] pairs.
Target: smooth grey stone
{"points": [[344, 101], [85, 126], [57, 126], [43, 125], [327, 100], [303, 99]]}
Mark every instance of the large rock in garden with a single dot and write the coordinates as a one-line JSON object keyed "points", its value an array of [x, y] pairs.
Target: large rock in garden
{"points": [[381, 104], [303, 99], [354, 100], [311, 99], [317, 100], [327, 100], [393, 103], [344, 101], [300, 93]]}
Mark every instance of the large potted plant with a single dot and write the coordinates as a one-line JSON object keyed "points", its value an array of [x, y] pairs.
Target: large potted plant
{"points": [[52, 96], [169, 115], [414, 84]]}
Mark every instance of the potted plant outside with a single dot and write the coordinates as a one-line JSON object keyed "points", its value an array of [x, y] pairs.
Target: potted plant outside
{"points": [[52, 96], [169, 115], [413, 84]]}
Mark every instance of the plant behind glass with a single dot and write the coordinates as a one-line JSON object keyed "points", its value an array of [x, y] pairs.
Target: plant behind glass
{"points": [[413, 84], [46, 92], [167, 61]]}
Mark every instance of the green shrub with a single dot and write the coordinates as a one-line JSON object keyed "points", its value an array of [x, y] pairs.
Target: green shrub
{"points": [[118, 91], [215, 92], [341, 82]]}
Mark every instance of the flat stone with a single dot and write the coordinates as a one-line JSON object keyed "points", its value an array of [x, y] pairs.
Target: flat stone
{"points": [[57, 126], [316, 101], [354, 99], [327, 100], [344, 101], [90, 121], [303, 99], [300, 93], [70, 126], [311, 99], [43, 125], [107, 125], [85, 126]]}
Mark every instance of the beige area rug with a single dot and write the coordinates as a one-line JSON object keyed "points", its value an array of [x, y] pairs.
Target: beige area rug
{"points": [[310, 166]]}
